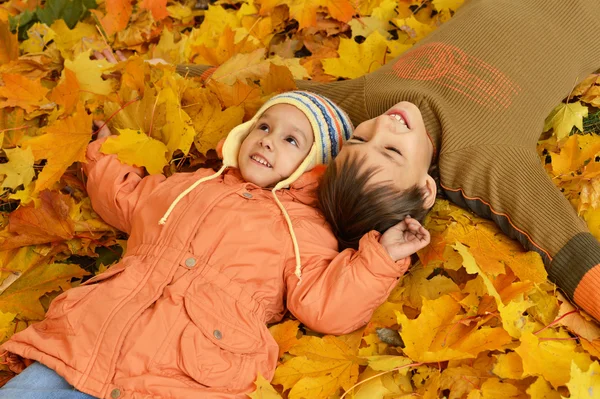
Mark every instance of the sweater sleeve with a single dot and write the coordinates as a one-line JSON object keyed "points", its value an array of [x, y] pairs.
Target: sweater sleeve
{"points": [[339, 292], [509, 185], [115, 188]]}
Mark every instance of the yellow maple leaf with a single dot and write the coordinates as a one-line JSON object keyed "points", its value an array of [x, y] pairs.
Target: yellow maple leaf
{"points": [[22, 92], [538, 355], [446, 5], [18, 169], [286, 335], [264, 390], [178, 130], [564, 117], [437, 335], [415, 29], [6, 325], [22, 297], [320, 367], [211, 123], [89, 74], [134, 147], [242, 67], [355, 59], [388, 362], [305, 11], [494, 388], [508, 365], [584, 385], [168, 49], [74, 41], [63, 143], [39, 35], [540, 389]]}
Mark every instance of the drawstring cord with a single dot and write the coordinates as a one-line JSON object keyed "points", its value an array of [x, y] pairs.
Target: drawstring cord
{"points": [[163, 220], [298, 271]]}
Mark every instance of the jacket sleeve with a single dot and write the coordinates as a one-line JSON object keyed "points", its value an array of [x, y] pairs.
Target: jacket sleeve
{"points": [[510, 186], [116, 189], [339, 292]]}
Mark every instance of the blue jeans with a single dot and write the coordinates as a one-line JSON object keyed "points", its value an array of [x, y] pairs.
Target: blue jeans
{"points": [[39, 382]]}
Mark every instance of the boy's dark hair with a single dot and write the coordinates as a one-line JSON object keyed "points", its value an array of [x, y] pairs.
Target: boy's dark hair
{"points": [[353, 206]]}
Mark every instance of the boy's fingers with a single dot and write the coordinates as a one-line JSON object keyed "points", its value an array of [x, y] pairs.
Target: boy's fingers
{"points": [[121, 56], [98, 55]]}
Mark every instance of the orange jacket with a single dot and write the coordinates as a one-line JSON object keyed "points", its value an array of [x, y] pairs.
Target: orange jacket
{"points": [[184, 313]]}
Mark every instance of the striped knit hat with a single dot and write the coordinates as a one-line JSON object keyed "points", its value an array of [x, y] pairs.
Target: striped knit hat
{"points": [[331, 127]]}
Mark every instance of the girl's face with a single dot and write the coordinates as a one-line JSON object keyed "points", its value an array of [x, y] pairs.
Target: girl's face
{"points": [[277, 144], [396, 143]]}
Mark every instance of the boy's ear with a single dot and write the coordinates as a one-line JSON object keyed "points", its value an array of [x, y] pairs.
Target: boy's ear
{"points": [[429, 192]]}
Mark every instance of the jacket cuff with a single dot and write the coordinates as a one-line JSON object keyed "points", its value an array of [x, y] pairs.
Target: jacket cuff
{"points": [[377, 260]]}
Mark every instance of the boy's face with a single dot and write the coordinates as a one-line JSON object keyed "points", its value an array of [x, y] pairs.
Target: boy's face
{"points": [[397, 144], [277, 144]]}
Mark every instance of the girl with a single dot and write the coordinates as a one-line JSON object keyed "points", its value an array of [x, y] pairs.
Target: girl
{"points": [[211, 258]]}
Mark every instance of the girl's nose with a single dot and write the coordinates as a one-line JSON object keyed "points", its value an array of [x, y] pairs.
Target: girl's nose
{"points": [[267, 142]]}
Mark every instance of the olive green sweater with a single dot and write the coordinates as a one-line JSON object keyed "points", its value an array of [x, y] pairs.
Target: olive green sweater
{"points": [[485, 81]]}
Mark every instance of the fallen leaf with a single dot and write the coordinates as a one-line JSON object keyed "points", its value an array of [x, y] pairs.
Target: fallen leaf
{"points": [[134, 147], [63, 143], [21, 92], [356, 59], [564, 117], [19, 168], [264, 390]]}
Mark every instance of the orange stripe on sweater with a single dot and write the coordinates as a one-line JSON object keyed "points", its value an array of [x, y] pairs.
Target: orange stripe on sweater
{"points": [[500, 214], [587, 293]]}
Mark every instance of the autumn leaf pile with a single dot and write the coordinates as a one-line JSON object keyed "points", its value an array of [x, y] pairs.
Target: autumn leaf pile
{"points": [[474, 318]]}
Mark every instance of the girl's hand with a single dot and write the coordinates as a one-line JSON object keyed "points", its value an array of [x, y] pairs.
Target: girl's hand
{"points": [[108, 55], [404, 239], [104, 130]]}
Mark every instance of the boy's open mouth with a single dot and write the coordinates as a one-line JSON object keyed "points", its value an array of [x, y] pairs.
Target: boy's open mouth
{"points": [[260, 160]]}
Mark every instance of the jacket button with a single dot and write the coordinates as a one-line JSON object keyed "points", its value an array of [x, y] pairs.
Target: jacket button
{"points": [[247, 195], [190, 262], [115, 393], [217, 334]]}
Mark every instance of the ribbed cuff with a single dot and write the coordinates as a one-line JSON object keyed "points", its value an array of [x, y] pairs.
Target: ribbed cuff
{"points": [[574, 263]]}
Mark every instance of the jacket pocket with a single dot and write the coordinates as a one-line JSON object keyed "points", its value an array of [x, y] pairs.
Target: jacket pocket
{"points": [[67, 309], [215, 350]]}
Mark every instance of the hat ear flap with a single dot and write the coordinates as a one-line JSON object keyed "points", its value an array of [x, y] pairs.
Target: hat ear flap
{"points": [[233, 143]]}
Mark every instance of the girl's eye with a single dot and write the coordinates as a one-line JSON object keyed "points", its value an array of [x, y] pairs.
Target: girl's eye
{"points": [[358, 139], [393, 150], [292, 141], [263, 126]]}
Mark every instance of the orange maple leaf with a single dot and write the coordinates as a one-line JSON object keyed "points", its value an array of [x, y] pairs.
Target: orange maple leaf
{"points": [[117, 15], [50, 222], [22, 92], [67, 92], [158, 8], [10, 46], [63, 143]]}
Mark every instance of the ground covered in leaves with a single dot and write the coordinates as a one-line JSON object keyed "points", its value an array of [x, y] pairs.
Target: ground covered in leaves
{"points": [[476, 316]]}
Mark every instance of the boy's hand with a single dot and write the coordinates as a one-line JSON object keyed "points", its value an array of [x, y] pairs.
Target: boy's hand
{"points": [[404, 239]]}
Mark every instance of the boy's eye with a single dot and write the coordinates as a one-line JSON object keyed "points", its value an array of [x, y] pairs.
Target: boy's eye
{"points": [[292, 141], [393, 150], [263, 126], [357, 138]]}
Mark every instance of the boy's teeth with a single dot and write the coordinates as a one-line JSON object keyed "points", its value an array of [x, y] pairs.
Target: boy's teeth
{"points": [[399, 118]]}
